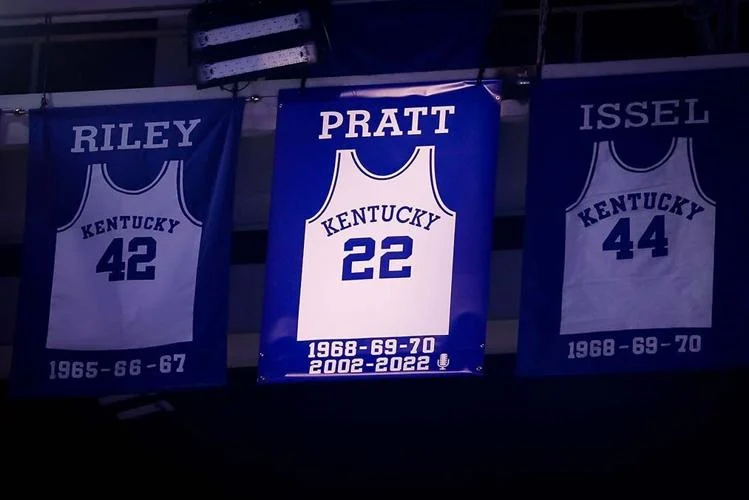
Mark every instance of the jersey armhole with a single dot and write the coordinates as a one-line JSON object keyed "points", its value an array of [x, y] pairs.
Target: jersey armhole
{"points": [[331, 189], [591, 171], [181, 195], [82, 205], [433, 183], [693, 172]]}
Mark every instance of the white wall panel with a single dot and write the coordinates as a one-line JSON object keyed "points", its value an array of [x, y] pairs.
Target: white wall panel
{"points": [[246, 298], [504, 294], [253, 182], [8, 307], [509, 197], [12, 193], [171, 67]]}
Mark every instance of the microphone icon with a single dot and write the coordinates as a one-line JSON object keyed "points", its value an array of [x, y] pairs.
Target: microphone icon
{"points": [[443, 361]]}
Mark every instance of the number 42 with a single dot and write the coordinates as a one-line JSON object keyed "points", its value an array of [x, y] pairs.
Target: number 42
{"points": [[654, 237], [142, 251]]}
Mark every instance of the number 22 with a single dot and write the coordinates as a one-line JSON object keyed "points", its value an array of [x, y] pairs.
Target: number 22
{"points": [[369, 245]]}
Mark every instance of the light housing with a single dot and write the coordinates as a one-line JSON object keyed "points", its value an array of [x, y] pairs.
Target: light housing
{"points": [[232, 40]]}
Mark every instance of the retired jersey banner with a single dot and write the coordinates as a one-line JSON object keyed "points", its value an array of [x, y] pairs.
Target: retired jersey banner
{"points": [[380, 231], [127, 248], [634, 259]]}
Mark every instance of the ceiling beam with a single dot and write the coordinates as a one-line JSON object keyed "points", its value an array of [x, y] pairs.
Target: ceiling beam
{"points": [[40, 8], [33, 11]]}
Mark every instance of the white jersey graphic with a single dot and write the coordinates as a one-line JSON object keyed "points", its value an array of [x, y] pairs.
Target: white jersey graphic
{"points": [[639, 246], [125, 266], [378, 256]]}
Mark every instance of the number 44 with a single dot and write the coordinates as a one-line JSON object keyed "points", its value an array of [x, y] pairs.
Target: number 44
{"points": [[654, 237]]}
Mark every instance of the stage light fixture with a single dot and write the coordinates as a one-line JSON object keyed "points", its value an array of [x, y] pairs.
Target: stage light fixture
{"points": [[232, 40], [253, 29], [223, 70]]}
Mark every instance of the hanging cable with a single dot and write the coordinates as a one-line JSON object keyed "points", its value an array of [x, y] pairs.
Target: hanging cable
{"points": [[733, 33], [235, 89], [702, 13], [46, 48], [543, 14], [480, 75]]}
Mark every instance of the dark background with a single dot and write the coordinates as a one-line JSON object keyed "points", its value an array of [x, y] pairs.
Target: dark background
{"points": [[679, 431]]}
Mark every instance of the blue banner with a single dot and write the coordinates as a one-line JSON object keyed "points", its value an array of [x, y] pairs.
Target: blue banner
{"points": [[634, 259], [127, 248], [380, 231]]}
